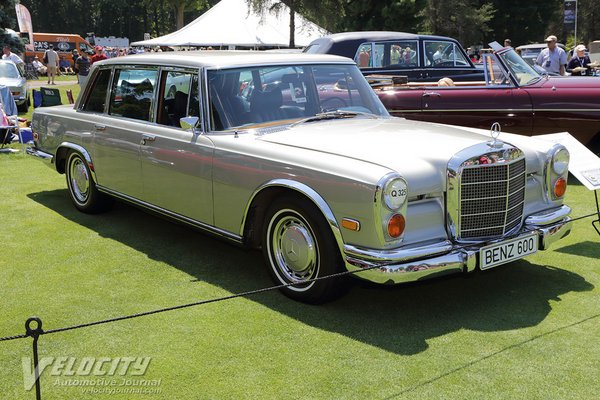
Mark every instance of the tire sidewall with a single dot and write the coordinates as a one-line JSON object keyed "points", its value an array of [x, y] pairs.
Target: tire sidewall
{"points": [[329, 260]]}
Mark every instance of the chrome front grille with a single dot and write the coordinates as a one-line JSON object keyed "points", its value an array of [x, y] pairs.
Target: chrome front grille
{"points": [[491, 200]]}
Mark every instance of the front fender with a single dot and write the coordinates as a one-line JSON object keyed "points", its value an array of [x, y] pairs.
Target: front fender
{"points": [[307, 192]]}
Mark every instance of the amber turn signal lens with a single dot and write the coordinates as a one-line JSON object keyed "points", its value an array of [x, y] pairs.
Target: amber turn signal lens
{"points": [[351, 224], [560, 187], [396, 225]]}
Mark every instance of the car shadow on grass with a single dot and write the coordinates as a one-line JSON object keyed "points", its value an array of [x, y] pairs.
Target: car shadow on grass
{"points": [[399, 319]]}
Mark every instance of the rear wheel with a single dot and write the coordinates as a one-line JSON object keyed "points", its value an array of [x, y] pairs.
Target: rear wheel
{"points": [[82, 188], [299, 246]]}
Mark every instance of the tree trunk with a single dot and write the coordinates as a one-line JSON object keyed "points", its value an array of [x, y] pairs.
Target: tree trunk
{"points": [[292, 28], [179, 8]]}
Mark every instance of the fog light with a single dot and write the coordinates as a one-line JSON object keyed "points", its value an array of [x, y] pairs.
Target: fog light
{"points": [[396, 225], [560, 187]]}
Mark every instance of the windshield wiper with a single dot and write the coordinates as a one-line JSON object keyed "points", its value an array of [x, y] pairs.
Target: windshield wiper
{"points": [[334, 114]]}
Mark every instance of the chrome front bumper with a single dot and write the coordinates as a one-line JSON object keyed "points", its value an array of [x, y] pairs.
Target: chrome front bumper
{"points": [[432, 260]]}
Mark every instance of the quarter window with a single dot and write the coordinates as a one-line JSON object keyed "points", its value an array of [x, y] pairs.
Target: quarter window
{"points": [[97, 93], [132, 93]]}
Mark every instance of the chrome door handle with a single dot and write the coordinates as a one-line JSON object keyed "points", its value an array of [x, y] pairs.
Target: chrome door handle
{"points": [[100, 127], [429, 94], [147, 138]]}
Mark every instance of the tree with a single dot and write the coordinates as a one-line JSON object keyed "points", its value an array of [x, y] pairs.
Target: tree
{"points": [[8, 20], [465, 20], [321, 12]]}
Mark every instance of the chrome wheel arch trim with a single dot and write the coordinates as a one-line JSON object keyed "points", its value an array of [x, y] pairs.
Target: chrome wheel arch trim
{"points": [[309, 193], [79, 149]]}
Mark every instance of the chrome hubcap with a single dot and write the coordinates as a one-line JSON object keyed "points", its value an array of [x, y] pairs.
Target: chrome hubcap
{"points": [[80, 182], [294, 249]]}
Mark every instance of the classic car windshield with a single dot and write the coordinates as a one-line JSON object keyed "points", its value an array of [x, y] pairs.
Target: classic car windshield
{"points": [[243, 97], [524, 73]]}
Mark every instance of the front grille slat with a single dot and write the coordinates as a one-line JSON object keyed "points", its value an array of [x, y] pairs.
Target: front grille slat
{"points": [[491, 199]]}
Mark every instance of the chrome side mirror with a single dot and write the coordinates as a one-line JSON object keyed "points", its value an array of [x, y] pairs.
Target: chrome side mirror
{"points": [[189, 123]]}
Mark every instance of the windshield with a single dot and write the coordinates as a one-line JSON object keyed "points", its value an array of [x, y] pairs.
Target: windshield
{"points": [[519, 68], [244, 97], [8, 70]]}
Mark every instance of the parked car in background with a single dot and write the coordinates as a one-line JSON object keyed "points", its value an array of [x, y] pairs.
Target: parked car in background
{"points": [[512, 93], [13, 77], [530, 52], [253, 152], [419, 57]]}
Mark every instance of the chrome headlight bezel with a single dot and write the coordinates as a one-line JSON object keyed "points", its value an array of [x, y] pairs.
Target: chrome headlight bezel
{"points": [[560, 161], [557, 168], [395, 193]]}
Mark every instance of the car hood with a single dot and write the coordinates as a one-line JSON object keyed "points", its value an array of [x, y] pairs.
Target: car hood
{"points": [[418, 151]]}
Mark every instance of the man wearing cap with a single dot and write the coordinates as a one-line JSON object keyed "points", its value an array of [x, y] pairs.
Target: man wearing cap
{"points": [[99, 56], [552, 58], [579, 64], [39, 67]]}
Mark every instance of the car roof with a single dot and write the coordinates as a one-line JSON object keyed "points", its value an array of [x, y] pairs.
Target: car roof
{"points": [[377, 35], [224, 58], [538, 46], [346, 44]]}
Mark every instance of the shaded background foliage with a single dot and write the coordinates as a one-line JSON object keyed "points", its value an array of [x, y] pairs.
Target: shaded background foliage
{"points": [[472, 22]]}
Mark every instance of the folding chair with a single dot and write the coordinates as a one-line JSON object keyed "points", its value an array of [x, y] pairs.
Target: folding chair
{"points": [[37, 98], [50, 97], [30, 72]]}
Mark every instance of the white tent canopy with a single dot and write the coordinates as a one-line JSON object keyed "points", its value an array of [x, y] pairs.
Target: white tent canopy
{"points": [[234, 23]]}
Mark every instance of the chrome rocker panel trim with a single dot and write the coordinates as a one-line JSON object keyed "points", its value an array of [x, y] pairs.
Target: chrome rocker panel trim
{"points": [[419, 263], [41, 155]]}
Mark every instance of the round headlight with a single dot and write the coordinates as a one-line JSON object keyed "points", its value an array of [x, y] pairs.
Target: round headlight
{"points": [[395, 193], [560, 161]]}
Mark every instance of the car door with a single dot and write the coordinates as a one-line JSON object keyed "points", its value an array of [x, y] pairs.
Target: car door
{"points": [[177, 163], [480, 104], [113, 140]]}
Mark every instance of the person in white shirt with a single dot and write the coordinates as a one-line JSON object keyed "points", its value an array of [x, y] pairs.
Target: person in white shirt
{"points": [[52, 65], [9, 55], [39, 67]]}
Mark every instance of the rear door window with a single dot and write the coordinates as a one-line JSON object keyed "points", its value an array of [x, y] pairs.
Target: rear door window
{"points": [[133, 93], [397, 54]]}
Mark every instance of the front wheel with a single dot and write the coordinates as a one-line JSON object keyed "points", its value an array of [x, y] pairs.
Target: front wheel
{"points": [[298, 246], [82, 188]]}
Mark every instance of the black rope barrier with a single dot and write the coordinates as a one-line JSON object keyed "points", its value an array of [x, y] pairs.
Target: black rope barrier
{"points": [[35, 331]]}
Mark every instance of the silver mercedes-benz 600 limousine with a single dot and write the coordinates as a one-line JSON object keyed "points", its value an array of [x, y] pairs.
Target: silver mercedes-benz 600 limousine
{"points": [[295, 155]]}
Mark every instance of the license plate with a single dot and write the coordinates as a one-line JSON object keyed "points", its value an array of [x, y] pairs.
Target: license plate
{"points": [[507, 251]]}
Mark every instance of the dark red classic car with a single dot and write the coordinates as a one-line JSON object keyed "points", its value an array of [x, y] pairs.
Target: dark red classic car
{"points": [[512, 93]]}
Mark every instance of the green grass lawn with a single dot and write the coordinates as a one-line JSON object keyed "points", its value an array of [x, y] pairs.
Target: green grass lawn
{"points": [[528, 330]]}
